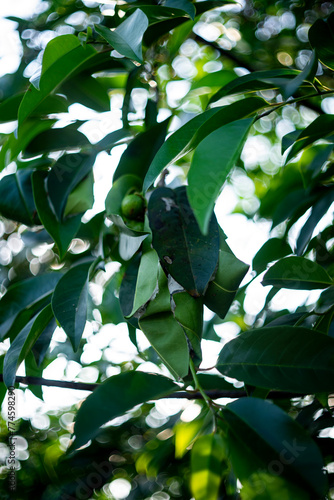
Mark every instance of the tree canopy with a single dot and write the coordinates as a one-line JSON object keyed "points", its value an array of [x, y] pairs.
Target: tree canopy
{"points": [[129, 132]]}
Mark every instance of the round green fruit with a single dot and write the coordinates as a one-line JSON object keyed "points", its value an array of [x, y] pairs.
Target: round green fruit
{"points": [[133, 207]]}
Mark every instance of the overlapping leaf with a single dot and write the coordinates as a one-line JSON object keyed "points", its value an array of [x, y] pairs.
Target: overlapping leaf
{"points": [[114, 397], [69, 302], [179, 242], [297, 273], [284, 357], [127, 37], [281, 444], [189, 136]]}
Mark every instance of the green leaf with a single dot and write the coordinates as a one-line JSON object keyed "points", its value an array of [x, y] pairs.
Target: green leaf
{"points": [[283, 447], [16, 198], [321, 37], [185, 433], [61, 232], [17, 142], [63, 56], [259, 80], [128, 286], [219, 152], [271, 250], [114, 397], [127, 37], [297, 273], [206, 464], [286, 358], [308, 73], [147, 279], [65, 175], [23, 344], [263, 486], [69, 302], [56, 139], [163, 331], [187, 137], [88, 91], [179, 242], [223, 288], [320, 128], [41, 345], [24, 294], [185, 5], [53, 104], [110, 309], [81, 198], [140, 152], [167, 338], [188, 312], [319, 209]]}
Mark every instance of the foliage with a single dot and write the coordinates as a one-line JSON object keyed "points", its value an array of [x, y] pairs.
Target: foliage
{"points": [[184, 92]]}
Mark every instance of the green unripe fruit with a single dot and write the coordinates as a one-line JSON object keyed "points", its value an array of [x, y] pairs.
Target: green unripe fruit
{"points": [[133, 207]]}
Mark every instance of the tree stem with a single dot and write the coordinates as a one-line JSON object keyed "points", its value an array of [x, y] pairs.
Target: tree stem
{"points": [[199, 393]]}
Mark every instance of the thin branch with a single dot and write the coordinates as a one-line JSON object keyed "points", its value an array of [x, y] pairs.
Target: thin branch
{"points": [[213, 394]]}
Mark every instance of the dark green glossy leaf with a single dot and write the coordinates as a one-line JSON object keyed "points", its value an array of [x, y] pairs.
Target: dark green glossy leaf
{"points": [[111, 140], [57, 139], [297, 273], [61, 232], [307, 74], [320, 128], [163, 331], [281, 445], [127, 37], [319, 209], [259, 80], [24, 294], [65, 175], [206, 465], [139, 154], [185, 5], [188, 137], [325, 301], [271, 250], [181, 246], [219, 152], [223, 288], [69, 302], [168, 339], [216, 79], [62, 57], [321, 37], [128, 287], [53, 104], [41, 345], [147, 278], [188, 312], [16, 198], [17, 143], [81, 198], [23, 344], [110, 308], [114, 397], [286, 358], [88, 91]]}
